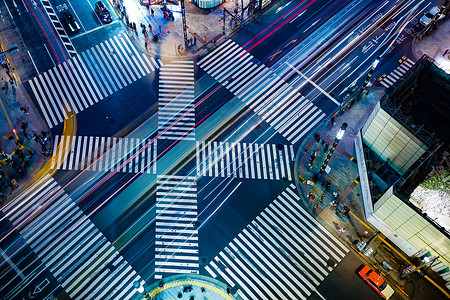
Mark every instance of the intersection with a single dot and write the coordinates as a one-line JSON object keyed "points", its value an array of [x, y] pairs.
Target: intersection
{"points": [[185, 165]]}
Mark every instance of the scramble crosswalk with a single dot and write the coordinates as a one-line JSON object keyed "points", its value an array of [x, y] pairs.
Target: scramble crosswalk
{"points": [[113, 154], [244, 160], [290, 113], [89, 77], [176, 242], [283, 254], [176, 112], [78, 255], [397, 73]]}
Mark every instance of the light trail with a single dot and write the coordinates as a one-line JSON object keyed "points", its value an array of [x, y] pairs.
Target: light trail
{"points": [[277, 28], [218, 207], [282, 17]]}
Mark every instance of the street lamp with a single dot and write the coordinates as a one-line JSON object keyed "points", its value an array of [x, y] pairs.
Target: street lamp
{"points": [[339, 136]]}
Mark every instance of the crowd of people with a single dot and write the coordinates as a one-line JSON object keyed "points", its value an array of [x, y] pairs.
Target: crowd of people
{"points": [[326, 184], [14, 166]]}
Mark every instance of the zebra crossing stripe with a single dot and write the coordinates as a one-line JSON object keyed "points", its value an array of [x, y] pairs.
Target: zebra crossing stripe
{"points": [[59, 28], [386, 85], [105, 154], [282, 252], [395, 76], [397, 73], [88, 78], [262, 90], [239, 160], [69, 244], [176, 107], [409, 62], [176, 236]]}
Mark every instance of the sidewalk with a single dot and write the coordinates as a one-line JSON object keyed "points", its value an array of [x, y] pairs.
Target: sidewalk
{"points": [[12, 99], [351, 227], [434, 45], [201, 24]]}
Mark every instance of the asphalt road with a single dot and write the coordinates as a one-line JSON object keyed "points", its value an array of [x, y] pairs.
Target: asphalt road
{"points": [[224, 180]]}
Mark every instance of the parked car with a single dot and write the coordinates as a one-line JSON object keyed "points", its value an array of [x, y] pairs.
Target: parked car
{"points": [[374, 280], [103, 12], [71, 22], [429, 16]]}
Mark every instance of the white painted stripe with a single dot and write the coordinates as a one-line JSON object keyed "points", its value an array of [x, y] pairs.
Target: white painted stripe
{"points": [[213, 275], [272, 271]]}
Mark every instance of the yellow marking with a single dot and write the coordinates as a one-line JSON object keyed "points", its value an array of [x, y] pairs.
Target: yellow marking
{"points": [[356, 181], [352, 158], [273, 56], [291, 42], [9, 120], [401, 255], [302, 178], [402, 290], [70, 128], [205, 285]]}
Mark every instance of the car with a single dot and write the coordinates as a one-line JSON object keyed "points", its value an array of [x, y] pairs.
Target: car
{"points": [[429, 16], [374, 280], [103, 12], [71, 22]]}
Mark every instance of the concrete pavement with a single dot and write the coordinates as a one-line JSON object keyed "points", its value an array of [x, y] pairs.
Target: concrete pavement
{"points": [[435, 45], [204, 26]]}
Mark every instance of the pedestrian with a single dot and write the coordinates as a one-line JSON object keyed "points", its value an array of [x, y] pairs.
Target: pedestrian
{"points": [[306, 149], [332, 121], [343, 230], [446, 51], [151, 10], [24, 110], [214, 41], [146, 45], [191, 41], [195, 41], [328, 186], [23, 126], [205, 39], [315, 206], [150, 27], [159, 28], [309, 195], [323, 183], [14, 182], [326, 146], [335, 194], [317, 137], [322, 197]]}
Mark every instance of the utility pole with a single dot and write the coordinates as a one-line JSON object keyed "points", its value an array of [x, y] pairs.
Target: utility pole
{"points": [[223, 22], [183, 18]]}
